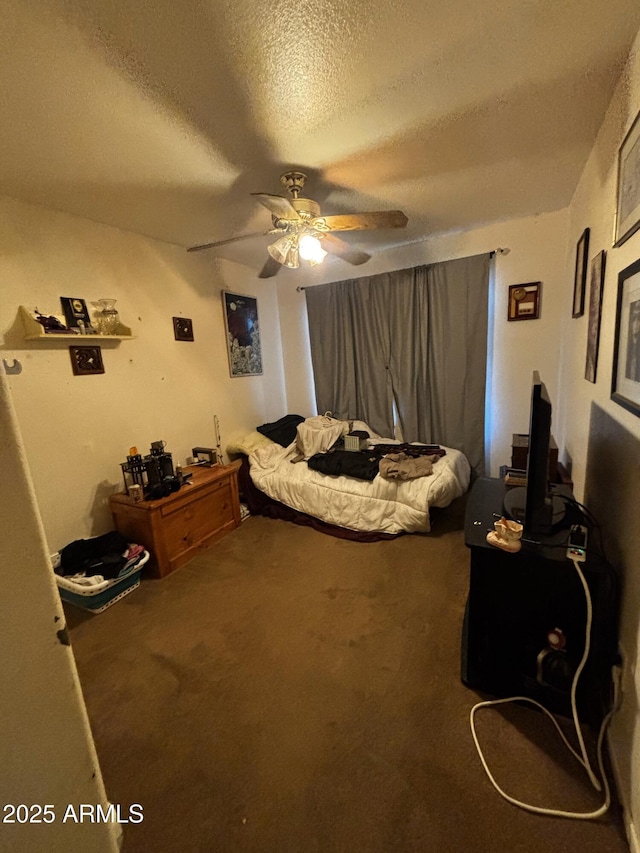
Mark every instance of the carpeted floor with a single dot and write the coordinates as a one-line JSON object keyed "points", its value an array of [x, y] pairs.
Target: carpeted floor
{"points": [[289, 692]]}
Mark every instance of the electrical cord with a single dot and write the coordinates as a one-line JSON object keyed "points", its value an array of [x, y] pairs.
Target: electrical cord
{"points": [[587, 515], [581, 757]]}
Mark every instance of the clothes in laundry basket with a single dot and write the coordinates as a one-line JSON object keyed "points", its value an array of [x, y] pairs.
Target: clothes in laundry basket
{"points": [[105, 555]]}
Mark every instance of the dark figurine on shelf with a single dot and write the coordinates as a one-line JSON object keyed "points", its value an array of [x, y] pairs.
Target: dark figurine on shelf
{"points": [[51, 324]]}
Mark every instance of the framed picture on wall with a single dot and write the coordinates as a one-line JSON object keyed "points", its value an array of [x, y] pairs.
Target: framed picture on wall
{"points": [[580, 277], [524, 301], [628, 198], [86, 361], [182, 329], [625, 380], [595, 313], [243, 334]]}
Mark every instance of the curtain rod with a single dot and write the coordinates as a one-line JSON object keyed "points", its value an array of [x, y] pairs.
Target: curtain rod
{"points": [[501, 250]]}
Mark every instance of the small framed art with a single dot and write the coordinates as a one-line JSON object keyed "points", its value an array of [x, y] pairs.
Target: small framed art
{"points": [[182, 329], [524, 301], [628, 196], [595, 312], [86, 361], [580, 276], [243, 334], [625, 380]]}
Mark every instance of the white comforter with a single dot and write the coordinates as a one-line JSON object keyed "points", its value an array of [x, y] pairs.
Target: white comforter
{"points": [[386, 506]]}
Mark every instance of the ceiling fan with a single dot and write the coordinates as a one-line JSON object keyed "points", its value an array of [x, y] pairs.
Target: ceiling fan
{"points": [[305, 233]]}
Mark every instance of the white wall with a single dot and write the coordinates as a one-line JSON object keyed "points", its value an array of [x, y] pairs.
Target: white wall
{"points": [[537, 253], [594, 207], [77, 429]]}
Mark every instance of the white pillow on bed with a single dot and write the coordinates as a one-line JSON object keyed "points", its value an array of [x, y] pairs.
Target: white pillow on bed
{"points": [[250, 442]]}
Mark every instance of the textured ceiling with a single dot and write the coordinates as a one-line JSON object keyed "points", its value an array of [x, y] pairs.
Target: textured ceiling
{"points": [[161, 117]]}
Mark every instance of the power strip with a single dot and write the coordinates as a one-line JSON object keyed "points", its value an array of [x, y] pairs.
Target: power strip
{"points": [[577, 545]]}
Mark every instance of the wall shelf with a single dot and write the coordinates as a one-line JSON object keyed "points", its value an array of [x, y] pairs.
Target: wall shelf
{"points": [[34, 331]]}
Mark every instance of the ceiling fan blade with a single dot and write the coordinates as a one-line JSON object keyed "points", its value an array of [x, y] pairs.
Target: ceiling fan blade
{"points": [[279, 206], [232, 240], [271, 268], [360, 221], [335, 246]]}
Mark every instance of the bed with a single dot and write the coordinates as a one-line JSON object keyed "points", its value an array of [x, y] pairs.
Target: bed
{"points": [[380, 508]]}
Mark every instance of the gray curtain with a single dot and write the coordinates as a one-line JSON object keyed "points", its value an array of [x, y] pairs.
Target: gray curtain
{"points": [[417, 337]]}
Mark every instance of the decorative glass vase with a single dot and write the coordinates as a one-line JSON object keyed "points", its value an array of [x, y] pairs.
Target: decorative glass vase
{"points": [[107, 318]]}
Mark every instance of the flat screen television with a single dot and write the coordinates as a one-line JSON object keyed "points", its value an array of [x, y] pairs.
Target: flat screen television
{"points": [[534, 505]]}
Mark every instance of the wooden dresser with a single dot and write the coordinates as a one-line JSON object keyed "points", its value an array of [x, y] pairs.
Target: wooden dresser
{"points": [[174, 529]]}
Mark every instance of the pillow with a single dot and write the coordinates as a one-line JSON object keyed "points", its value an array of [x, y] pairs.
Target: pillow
{"points": [[250, 442], [283, 431]]}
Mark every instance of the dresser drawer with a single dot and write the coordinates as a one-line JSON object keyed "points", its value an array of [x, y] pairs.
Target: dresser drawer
{"points": [[194, 522], [187, 496]]}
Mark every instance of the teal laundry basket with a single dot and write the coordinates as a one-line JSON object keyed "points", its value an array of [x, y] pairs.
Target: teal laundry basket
{"points": [[97, 598]]}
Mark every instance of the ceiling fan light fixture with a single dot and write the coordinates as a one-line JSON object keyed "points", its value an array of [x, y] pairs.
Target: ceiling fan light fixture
{"points": [[292, 261], [285, 251], [311, 249]]}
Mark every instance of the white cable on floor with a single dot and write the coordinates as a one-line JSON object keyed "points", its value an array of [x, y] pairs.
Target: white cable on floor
{"points": [[582, 757]]}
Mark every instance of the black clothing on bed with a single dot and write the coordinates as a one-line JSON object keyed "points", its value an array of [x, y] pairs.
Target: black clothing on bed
{"points": [[345, 463], [413, 450], [282, 431]]}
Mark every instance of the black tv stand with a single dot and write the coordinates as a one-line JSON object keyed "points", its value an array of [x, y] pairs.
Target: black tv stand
{"points": [[515, 600]]}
